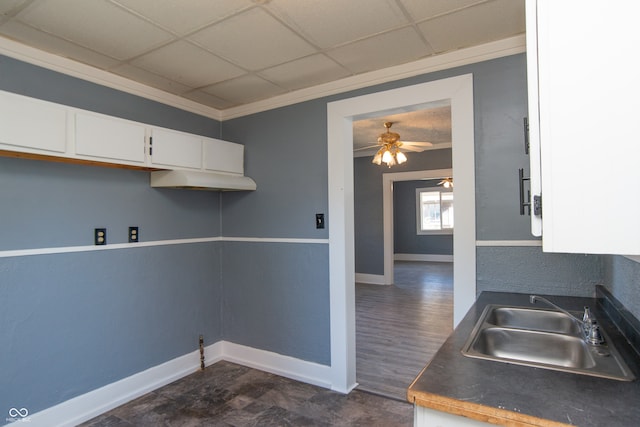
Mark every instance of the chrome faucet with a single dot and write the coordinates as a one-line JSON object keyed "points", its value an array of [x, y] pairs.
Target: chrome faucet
{"points": [[590, 328]]}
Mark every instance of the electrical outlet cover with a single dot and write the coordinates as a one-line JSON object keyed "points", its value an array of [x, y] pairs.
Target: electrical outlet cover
{"points": [[100, 236], [134, 236]]}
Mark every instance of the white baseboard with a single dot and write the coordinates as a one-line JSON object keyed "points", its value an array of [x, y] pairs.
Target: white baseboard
{"points": [[423, 257], [94, 403], [285, 366], [372, 279]]}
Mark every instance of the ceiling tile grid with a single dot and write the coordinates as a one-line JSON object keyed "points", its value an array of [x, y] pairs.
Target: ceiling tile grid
{"points": [[226, 53]]}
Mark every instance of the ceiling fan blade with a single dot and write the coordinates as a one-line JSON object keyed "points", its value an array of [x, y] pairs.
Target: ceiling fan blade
{"points": [[418, 143], [368, 147], [414, 148]]}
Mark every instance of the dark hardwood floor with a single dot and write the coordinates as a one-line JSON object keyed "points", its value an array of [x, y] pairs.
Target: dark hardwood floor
{"points": [[400, 327]]}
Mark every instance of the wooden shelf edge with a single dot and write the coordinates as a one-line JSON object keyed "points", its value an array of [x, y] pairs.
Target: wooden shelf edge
{"points": [[43, 157]]}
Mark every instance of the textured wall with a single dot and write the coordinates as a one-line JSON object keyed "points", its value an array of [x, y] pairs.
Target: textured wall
{"points": [[369, 239], [286, 154], [405, 236], [276, 307], [73, 322], [529, 270], [622, 277]]}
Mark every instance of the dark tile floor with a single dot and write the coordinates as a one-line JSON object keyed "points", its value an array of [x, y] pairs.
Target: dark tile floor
{"points": [[226, 394]]}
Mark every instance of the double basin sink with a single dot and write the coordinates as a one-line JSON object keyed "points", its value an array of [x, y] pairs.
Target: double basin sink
{"points": [[544, 339]]}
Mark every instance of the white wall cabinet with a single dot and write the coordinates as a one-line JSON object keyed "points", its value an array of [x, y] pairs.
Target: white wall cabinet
{"points": [[109, 139], [181, 150], [32, 126], [223, 156], [41, 128], [175, 149], [584, 100]]}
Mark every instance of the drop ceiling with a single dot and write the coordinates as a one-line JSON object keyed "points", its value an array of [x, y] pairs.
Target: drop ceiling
{"points": [[228, 53]]}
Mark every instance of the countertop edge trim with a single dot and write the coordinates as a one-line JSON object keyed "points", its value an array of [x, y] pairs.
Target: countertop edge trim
{"points": [[479, 412]]}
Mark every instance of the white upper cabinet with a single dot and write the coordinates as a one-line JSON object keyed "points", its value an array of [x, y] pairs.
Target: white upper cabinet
{"points": [[32, 126], [109, 139], [175, 149], [584, 101], [223, 156], [44, 130]]}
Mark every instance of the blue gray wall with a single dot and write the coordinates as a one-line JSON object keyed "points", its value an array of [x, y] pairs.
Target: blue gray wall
{"points": [[286, 154], [622, 276], [76, 321], [406, 239], [73, 322], [367, 183]]}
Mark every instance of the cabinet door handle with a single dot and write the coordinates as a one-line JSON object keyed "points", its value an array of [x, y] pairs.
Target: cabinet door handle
{"points": [[526, 135], [523, 203]]}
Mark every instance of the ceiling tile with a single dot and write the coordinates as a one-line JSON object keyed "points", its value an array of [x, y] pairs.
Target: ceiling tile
{"points": [[187, 64], [182, 17], [421, 9], [475, 25], [385, 50], [150, 79], [328, 23], [253, 40], [96, 24], [244, 89], [309, 71], [207, 99], [57, 46], [9, 7]]}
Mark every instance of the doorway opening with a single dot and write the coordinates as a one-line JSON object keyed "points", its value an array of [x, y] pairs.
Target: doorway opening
{"points": [[402, 321], [340, 116]]}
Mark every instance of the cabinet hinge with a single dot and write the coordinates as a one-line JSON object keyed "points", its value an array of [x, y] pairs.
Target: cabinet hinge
{"points": [[526, 135], [537, 205]]}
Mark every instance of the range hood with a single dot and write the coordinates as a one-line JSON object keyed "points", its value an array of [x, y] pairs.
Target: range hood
{"points": [[193, 180]]}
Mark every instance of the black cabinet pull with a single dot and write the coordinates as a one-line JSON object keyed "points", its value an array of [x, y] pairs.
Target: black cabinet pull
{"points": [[524, 203]]}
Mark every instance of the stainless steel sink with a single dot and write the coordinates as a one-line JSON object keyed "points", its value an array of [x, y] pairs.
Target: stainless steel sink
{"points": [[542, 338], [533, 319]]}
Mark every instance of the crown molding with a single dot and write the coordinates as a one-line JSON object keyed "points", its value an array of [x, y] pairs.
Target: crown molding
{"points": [[456, 58], [484, 52], [86, 72]]}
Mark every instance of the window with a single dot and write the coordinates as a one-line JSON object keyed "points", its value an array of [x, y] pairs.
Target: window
{"points": [[434, 210]]}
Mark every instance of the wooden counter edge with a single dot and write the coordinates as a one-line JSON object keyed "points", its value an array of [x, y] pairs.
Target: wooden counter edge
{"points": [[477, 411]]}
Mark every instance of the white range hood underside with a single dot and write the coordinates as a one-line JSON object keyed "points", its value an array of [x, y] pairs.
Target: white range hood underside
{"points": [[201, 181]]}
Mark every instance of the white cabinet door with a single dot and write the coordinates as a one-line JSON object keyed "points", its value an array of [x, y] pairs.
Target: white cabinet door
{"points": [[223, 156], [427, 417], [588, 91], [109, 139], [175, 149], [31, 125]]}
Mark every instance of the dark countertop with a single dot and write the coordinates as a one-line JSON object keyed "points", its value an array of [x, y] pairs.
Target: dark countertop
{"points": [[508, 394]]}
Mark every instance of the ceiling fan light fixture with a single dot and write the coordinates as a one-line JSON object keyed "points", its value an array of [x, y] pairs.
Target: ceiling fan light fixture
{"points": [[389, 151], [446, 183], [387, 157], [400, 157]]}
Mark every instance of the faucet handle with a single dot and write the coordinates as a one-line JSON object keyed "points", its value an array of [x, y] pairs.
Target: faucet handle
{"points": [[587, 317]]}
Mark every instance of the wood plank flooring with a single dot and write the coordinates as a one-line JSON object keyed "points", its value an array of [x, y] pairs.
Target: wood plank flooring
{"points": [[400, 327]]}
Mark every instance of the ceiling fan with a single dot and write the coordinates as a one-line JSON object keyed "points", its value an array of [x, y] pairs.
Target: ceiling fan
{"points": [[415, 146]]}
